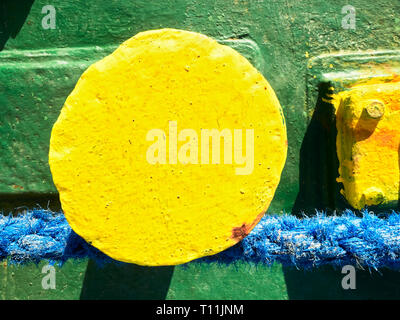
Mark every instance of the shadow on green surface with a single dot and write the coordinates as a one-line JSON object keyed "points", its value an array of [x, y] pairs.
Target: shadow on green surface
{"points": [[18, 203], [318, 189], [125, 281], [13, 14], [326, 283]]}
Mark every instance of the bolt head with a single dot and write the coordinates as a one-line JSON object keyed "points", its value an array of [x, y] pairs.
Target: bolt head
{"points": [[375, 109]]}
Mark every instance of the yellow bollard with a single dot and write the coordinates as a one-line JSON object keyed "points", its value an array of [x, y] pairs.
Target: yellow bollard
{"points": [[167, 150]]}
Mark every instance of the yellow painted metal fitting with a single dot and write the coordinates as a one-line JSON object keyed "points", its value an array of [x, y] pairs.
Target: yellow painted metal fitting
{"points": [[368, 124]]}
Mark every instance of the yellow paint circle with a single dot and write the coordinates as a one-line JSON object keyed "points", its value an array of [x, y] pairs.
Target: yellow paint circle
{"points": [[123, 150]]}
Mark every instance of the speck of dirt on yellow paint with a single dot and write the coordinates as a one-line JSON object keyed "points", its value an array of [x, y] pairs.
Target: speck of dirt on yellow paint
{"points": [[185, 210]]}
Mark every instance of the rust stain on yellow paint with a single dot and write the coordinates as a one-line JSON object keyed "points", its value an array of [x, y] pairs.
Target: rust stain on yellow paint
{"points": [[127, 152], [368, 141], [238, 233]]}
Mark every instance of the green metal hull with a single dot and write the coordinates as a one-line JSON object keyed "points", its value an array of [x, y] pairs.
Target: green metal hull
{"points": [[39, 68]]}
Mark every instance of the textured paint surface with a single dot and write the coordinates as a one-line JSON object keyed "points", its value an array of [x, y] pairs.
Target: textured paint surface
{"points": [[345, 88], [286, 36], [368, 142], [173, 212]]}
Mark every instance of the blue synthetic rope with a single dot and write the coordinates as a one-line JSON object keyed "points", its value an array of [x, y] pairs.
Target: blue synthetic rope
{"points": [[367, 241]]}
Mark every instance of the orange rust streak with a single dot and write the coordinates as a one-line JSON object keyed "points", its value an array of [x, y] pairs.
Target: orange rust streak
{"points": [[387, 138], [239, 233]]}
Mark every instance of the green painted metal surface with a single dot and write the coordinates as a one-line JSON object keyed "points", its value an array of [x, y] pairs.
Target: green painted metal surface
{"points": [[39, 67]]}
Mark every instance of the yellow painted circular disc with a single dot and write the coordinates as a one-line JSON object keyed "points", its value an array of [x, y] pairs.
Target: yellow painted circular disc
{"points": [[167, 150]]}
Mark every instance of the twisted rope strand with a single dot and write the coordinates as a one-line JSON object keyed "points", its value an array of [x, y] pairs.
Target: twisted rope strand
{"points": [[368, 241]]}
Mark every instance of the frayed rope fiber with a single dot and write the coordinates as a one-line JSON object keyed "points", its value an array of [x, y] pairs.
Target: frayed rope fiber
{"points": [[367, 241]]}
